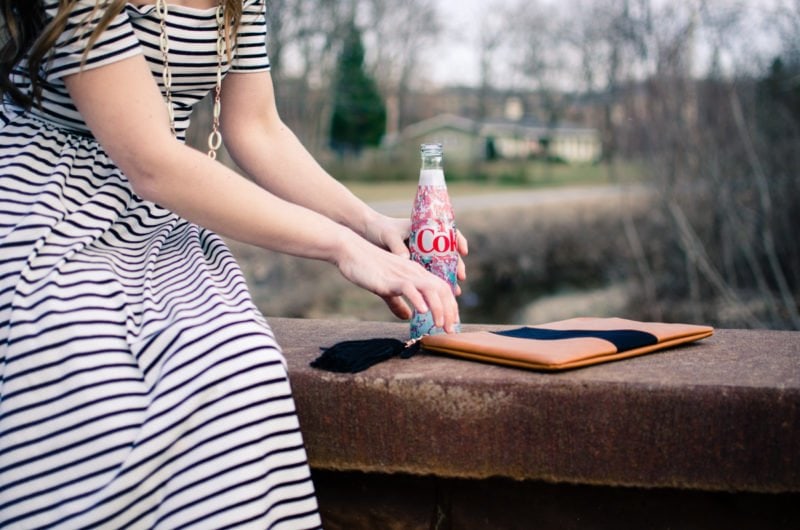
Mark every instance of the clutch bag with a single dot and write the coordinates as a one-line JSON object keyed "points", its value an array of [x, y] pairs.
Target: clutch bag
{"points": [[566, 344]]}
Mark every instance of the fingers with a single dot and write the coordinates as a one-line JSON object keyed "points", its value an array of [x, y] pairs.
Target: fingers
{"points": [[398, 279], [463, 250], [398, 307], [435, 295], [416, 297], [390, 233], [461, 242], [397, 246], [397, 242], [441, 299]]}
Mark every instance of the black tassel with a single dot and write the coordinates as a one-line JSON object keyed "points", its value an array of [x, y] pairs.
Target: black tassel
{"points": [[353, 356]]}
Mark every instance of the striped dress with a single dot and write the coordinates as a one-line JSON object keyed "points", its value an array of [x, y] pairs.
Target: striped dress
{"points": [[139, 385]]}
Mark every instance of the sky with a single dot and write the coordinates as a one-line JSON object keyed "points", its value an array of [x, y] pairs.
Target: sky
{"points": [[456, 61], [456, 49], [453, 60]]}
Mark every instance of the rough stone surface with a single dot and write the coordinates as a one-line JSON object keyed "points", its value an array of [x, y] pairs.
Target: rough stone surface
{"points": [[722, 414]]}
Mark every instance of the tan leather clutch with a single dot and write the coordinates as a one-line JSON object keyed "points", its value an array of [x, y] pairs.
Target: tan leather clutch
{"points": [[567, 343]]}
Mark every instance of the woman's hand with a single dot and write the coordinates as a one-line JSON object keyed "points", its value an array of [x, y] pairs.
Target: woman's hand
{"points": [[392, 234], [389, 233], [463, 250], [396, 278]]}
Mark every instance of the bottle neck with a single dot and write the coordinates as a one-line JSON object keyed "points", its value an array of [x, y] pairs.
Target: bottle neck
{"points": [[431, 172], [431, 162], [431, 156]]}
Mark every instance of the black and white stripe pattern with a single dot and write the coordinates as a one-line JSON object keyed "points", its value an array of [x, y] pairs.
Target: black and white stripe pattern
{"points": [[140, 387], [192, 57]]}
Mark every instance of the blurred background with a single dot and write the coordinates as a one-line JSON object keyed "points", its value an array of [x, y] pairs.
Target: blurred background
{"points": [[632, 158]]}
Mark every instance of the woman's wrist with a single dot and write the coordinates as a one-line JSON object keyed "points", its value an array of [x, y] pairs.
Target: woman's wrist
{"points": [[368, 225], [340, 245]]}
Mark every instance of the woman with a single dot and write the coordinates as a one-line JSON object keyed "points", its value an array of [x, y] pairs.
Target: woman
{"points": [[140, 387]]}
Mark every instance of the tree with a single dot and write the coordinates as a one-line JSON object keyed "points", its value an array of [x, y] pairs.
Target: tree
{"points": [[400, 33], [303, 38], [359, 115]]}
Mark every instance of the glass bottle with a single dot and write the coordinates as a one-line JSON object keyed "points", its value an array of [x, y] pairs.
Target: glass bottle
{"points": [[432, 242]]}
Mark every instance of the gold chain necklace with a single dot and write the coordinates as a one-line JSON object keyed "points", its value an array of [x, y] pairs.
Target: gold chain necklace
{"points": [[215, 138]]}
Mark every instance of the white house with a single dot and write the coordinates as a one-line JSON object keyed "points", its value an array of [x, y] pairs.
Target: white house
{"points": [[466, 140]]}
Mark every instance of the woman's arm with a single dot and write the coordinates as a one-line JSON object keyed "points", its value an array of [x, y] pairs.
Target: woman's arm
{"points": [[125, 111], [268, 151]]}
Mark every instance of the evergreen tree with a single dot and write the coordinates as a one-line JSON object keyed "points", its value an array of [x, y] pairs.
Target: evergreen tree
{"points": [[359, 115]]}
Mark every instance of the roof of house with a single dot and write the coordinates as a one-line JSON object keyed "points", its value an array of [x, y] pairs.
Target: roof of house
{"points": [[491, 127]]}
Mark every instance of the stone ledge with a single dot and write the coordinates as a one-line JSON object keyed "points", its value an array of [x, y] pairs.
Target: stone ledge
{"points": [[718, 415]]}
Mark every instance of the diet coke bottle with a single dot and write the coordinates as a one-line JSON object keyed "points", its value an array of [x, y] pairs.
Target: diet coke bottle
{"points": [[433, 233]]}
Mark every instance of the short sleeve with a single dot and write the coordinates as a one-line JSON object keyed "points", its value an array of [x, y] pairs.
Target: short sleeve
{"points": [[251, 42], [117, 41]]}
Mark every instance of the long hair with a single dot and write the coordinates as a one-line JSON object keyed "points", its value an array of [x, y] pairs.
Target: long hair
{"points": [[26, 32]]}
